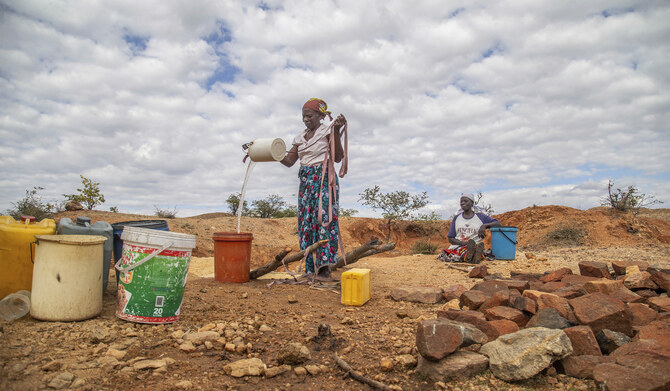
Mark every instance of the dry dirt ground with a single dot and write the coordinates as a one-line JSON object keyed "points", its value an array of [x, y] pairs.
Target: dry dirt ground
{"points": [[34, 353]]}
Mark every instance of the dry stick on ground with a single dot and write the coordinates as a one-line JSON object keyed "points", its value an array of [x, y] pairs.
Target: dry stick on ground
{"points": [[265, 269], [372, 247], [458, 268], [357, 376]]}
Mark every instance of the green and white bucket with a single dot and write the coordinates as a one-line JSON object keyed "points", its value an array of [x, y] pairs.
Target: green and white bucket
{"points": [[153, 270]]}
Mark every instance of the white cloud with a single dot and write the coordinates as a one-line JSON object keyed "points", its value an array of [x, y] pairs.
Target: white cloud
{"points": [[531, 103]]}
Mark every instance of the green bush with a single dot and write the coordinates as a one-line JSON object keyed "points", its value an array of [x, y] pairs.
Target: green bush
{"points": [[568, 234], [423, 247], [32, 205], [88, 195]]}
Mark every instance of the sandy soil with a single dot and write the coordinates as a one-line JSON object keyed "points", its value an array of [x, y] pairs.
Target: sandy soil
{"points": [[34, 353]]}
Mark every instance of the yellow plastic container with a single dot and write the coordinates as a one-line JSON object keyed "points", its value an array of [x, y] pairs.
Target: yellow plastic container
{"points": [[356, 287], [17, 251]]}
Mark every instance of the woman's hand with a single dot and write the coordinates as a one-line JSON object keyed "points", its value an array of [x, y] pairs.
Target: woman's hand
{"points": [[339, 122], [482, 231]]}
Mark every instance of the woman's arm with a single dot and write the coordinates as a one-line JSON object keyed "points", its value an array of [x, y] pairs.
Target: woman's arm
{"points": [[291, 157], [482, 229], [339, 124], [457, 242]]}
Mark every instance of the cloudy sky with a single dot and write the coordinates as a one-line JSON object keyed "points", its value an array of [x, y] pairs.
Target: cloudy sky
{"points": [[529, 102]]}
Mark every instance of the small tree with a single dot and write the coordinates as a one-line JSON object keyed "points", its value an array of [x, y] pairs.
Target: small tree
{"points": [[627, 199], [487, 207], [397, 205], [233, 202], [32, 205], [89, 195], [347, 212], [271, 206]]}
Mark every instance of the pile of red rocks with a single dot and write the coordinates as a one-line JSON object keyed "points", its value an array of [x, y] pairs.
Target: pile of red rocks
{"points": [[610, 323]]}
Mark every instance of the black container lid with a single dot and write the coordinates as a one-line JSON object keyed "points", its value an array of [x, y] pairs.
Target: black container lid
{"points": [[82, 220], [151, 224]]}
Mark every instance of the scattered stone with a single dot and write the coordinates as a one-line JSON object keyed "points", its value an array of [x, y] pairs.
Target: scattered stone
{"points": [[614, 377], [620, 267], [458, 366], [426, 295], [581, 366], [502, 327], [300, 371], [184, 384], [454, 304], [570, 291], [436, 338], [245, 367], [549, 318], [499, 298], [73, 206], [386, 364], [490, 287], [658, 330], [406, 360], [276, 371], [473, 299], [508, 313], [61, 381], [264, 328], [660, 304], [560, 304], [292, 299], [117, 354], [479, 271], [454, 292], [527, 352], [662, 280], [313, 369], [648, 344], [610, 341], [584, 342], [474, 318], [108, 361], [53, 365], [601, 312], [556, 275], [178, 334], [523, 303], [187, 347], [200, 337], [641, 280], [594, 269], [149, 364], [293, 353]]}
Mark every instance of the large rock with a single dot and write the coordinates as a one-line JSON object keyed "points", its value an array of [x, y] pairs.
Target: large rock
{"points": [[246, 367], [620, 266], [594, 269], [502, 327], [454, 292], [474, 318], [499, 298], [460, 365], [641, 280], [610, 341], [582, 366], [584, 342], [293, 353], [641, 314], [578, 279], [660, 304], [644, 344], [473, 299], [571, 291], [490, 287], [560, 304], [600, 312], [523, 303], [658, 330], [199, 338], [654, 363], [549, 318], [662, 280], [508, 313], [556, 275], [615, 377], [436, 338], [420, 294], [524, 354]]}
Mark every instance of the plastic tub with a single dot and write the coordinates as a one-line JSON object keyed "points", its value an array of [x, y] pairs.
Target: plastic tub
{"points": [[503, 242], [117, 228]]}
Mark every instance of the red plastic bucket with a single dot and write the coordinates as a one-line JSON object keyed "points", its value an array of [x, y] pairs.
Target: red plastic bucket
{"points": [[232, 255]]}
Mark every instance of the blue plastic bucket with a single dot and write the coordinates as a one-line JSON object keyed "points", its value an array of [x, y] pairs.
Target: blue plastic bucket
{"points": [[503, 242], [160, 225]]}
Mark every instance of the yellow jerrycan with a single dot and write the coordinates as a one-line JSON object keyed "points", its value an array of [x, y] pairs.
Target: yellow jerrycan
{"points": [[17, 251]]}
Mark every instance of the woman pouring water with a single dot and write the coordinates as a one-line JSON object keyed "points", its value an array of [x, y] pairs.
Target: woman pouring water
{"points": [[318, 147]]}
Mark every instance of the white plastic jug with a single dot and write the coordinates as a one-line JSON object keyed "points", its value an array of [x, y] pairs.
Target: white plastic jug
{"points": [[267, 150]]}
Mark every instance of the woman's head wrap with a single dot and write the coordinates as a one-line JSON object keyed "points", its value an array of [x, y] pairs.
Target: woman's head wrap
{"points": [[319, 105], [469, 196]]}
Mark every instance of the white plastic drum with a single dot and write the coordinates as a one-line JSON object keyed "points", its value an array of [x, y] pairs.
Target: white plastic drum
{"points": [[67, 277], [267, 150]]}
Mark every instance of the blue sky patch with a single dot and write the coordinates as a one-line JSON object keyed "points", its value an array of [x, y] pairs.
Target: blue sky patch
{"points": [[136, 43]]}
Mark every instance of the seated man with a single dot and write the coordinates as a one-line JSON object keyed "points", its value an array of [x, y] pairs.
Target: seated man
{"points": [[467, 230]]}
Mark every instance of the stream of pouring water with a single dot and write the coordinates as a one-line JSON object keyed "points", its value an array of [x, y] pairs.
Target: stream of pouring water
{"points": [[250, 167]]}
